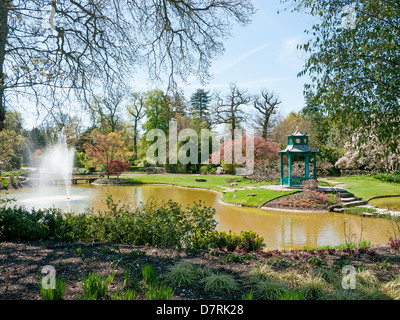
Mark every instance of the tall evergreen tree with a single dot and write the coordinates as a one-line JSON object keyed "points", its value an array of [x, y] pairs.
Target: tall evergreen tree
{"points": [[200, 103]]}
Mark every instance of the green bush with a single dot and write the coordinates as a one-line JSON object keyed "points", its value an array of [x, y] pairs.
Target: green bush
{"points": [[166, 224]]}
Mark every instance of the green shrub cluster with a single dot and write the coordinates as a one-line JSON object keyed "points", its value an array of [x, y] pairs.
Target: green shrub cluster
{"points": [[387, 176], [164, 224], [246, 240]]}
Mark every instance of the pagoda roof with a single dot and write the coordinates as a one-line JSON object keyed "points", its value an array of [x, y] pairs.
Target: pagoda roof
{"points": [[298, 133], [299, 149]]}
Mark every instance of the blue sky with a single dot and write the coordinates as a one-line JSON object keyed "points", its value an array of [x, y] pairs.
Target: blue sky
{"points": [[263, 55]]}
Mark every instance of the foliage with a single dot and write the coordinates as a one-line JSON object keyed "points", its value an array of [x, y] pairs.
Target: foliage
{"points": [[53, 294], [367, 151], [159, 292], [106, 148], [265, 152], [354, 69], [166, 224], [182, 274], [247, 241], [219, 283], [95, 286], [117, 167]]}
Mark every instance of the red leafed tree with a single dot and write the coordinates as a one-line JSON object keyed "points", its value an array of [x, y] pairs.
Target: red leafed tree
{"points": [[104, 149], [265, 152], [117, 167]]}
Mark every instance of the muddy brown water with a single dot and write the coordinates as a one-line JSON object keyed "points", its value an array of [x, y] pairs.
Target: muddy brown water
{"points": [[280, 229]]}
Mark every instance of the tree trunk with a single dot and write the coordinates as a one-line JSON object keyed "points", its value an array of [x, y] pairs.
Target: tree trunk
{"points": [[4, 8]]}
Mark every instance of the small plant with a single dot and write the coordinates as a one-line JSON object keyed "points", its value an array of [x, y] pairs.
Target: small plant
{"points": [[149, 274], [80, 254], [158, 292], [95, 286], [314, 288], [292, 295], [53, 294], [183, 273], [8, 283], [248, 296], [271, 289], [219, 283], [250, 241], [316, 260], [121, 295]]}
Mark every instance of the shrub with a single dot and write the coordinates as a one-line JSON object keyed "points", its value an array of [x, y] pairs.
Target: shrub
{"points": [[219, 283], [271, 289], [183, 273], [250, 241]]}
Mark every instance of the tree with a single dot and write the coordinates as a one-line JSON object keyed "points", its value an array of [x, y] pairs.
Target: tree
{"points": [[136, 110], [86, 44], [289, 125], [157, 110], [117, 167], [266, 105], [354, 64], [229, 110], [200, 103], [104, 149], [106, 111]]}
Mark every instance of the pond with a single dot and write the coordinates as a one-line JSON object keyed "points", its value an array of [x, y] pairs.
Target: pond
{"points": [[391, 203], [280, 229]]}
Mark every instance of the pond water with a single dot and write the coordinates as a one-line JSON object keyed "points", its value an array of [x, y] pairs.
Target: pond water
{"points": [[391, 203], [280, 229]]}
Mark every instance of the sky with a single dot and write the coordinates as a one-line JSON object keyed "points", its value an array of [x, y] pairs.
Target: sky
{"points": [[262, 55]]}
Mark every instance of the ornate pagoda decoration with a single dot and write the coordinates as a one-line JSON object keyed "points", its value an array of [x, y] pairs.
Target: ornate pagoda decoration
{"points": [[298, 148]]}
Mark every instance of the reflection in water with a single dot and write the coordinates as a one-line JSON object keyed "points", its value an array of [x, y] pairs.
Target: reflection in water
{"points": [[280, 229]]}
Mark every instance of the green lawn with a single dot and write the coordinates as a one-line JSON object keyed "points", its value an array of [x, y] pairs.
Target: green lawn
{"points": [[217, 183], [367, 187]]}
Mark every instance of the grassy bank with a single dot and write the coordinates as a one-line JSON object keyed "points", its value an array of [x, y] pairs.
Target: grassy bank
{"points": [[247, 193], [367, 187]]}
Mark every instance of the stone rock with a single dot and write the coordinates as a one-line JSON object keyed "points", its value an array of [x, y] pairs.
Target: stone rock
{"points": [[201, 180], [228, 181], [233, 184]]}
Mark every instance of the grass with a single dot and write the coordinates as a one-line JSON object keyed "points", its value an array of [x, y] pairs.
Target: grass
{"points": [[215, 183], [95, 286], [53, 294], [367, 187], [182, 274], [219, 283]]}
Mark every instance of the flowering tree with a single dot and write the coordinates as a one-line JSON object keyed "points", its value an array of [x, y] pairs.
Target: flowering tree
{"points": [[104, 149], [373, 154], [265, 152]]}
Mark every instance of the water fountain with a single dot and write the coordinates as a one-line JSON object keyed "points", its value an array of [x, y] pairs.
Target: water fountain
{"points": [[57, 164], [54, 178]]}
